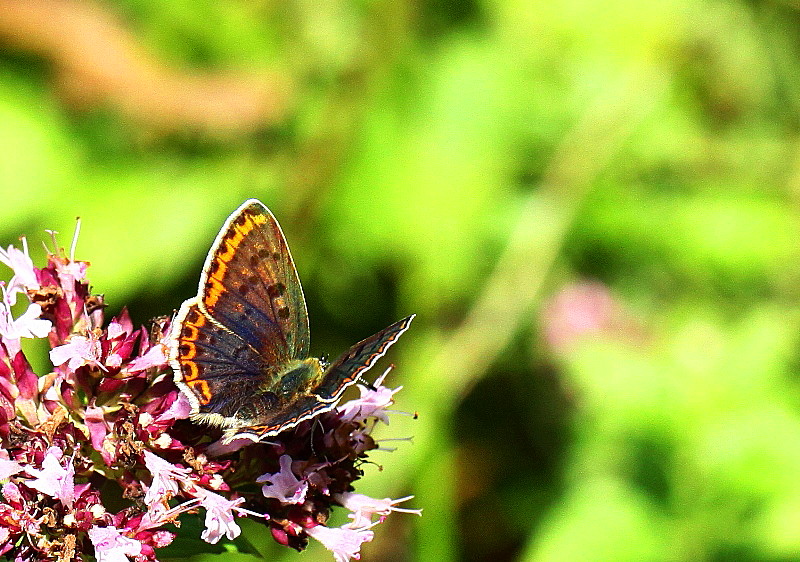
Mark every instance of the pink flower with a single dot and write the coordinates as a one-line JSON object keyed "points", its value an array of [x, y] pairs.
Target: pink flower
{"points": [[343, 542], [364, 507], [283, 485], [29, 325], [155, 357], [24, 278], [224, 446], [112, 546], [79, 351], [94, 417], [166, 480], [219, 516], [53, 479], [372, 403]]}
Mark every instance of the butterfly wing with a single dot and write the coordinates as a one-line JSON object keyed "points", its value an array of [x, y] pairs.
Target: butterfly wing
{"points": [[216, 369], [250, 285]]}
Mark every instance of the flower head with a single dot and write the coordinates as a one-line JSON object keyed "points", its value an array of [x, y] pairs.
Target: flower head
{"points": [[363, 508], [28, 325], [372, 403], [167, 479], [219, 516], [79, 351]]}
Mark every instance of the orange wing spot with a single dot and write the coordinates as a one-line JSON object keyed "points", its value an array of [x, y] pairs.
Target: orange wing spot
{"points": [[189, 332], [202, 390], [196, 319], [222, 267], [230, 248], [188, 352], [212, 293], [190, 371]]}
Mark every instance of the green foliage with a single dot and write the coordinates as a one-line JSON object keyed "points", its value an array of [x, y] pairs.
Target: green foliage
{"points": [[465, 161]]}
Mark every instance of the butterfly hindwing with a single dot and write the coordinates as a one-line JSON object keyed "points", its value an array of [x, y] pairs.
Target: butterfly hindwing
{"points": [[250, 285], [217, 370], [302, 408]]}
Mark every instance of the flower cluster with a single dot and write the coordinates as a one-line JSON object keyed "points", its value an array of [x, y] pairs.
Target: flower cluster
{"points": [[98, 456]]}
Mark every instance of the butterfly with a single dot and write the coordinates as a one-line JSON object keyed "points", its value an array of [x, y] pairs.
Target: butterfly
{"points": [[240, 348]]}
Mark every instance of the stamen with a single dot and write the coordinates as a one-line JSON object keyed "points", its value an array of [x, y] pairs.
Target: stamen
{"points": [[52, 234], [414, 415], [409, 439], [248, 512], [75, 239]]}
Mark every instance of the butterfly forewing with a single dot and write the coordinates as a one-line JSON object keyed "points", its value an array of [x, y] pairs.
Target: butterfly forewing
{"points": [[250, 285], [349, 366]]}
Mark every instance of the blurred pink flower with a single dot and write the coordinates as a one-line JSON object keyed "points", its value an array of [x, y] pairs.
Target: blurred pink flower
{"points": [[577, 311]]}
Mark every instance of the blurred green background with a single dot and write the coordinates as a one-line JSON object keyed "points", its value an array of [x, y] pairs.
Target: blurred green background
{"points": [[592, 207]]}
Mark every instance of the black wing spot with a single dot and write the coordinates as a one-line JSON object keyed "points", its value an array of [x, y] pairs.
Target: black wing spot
{"points": [[283, 312], [276, 290]]}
